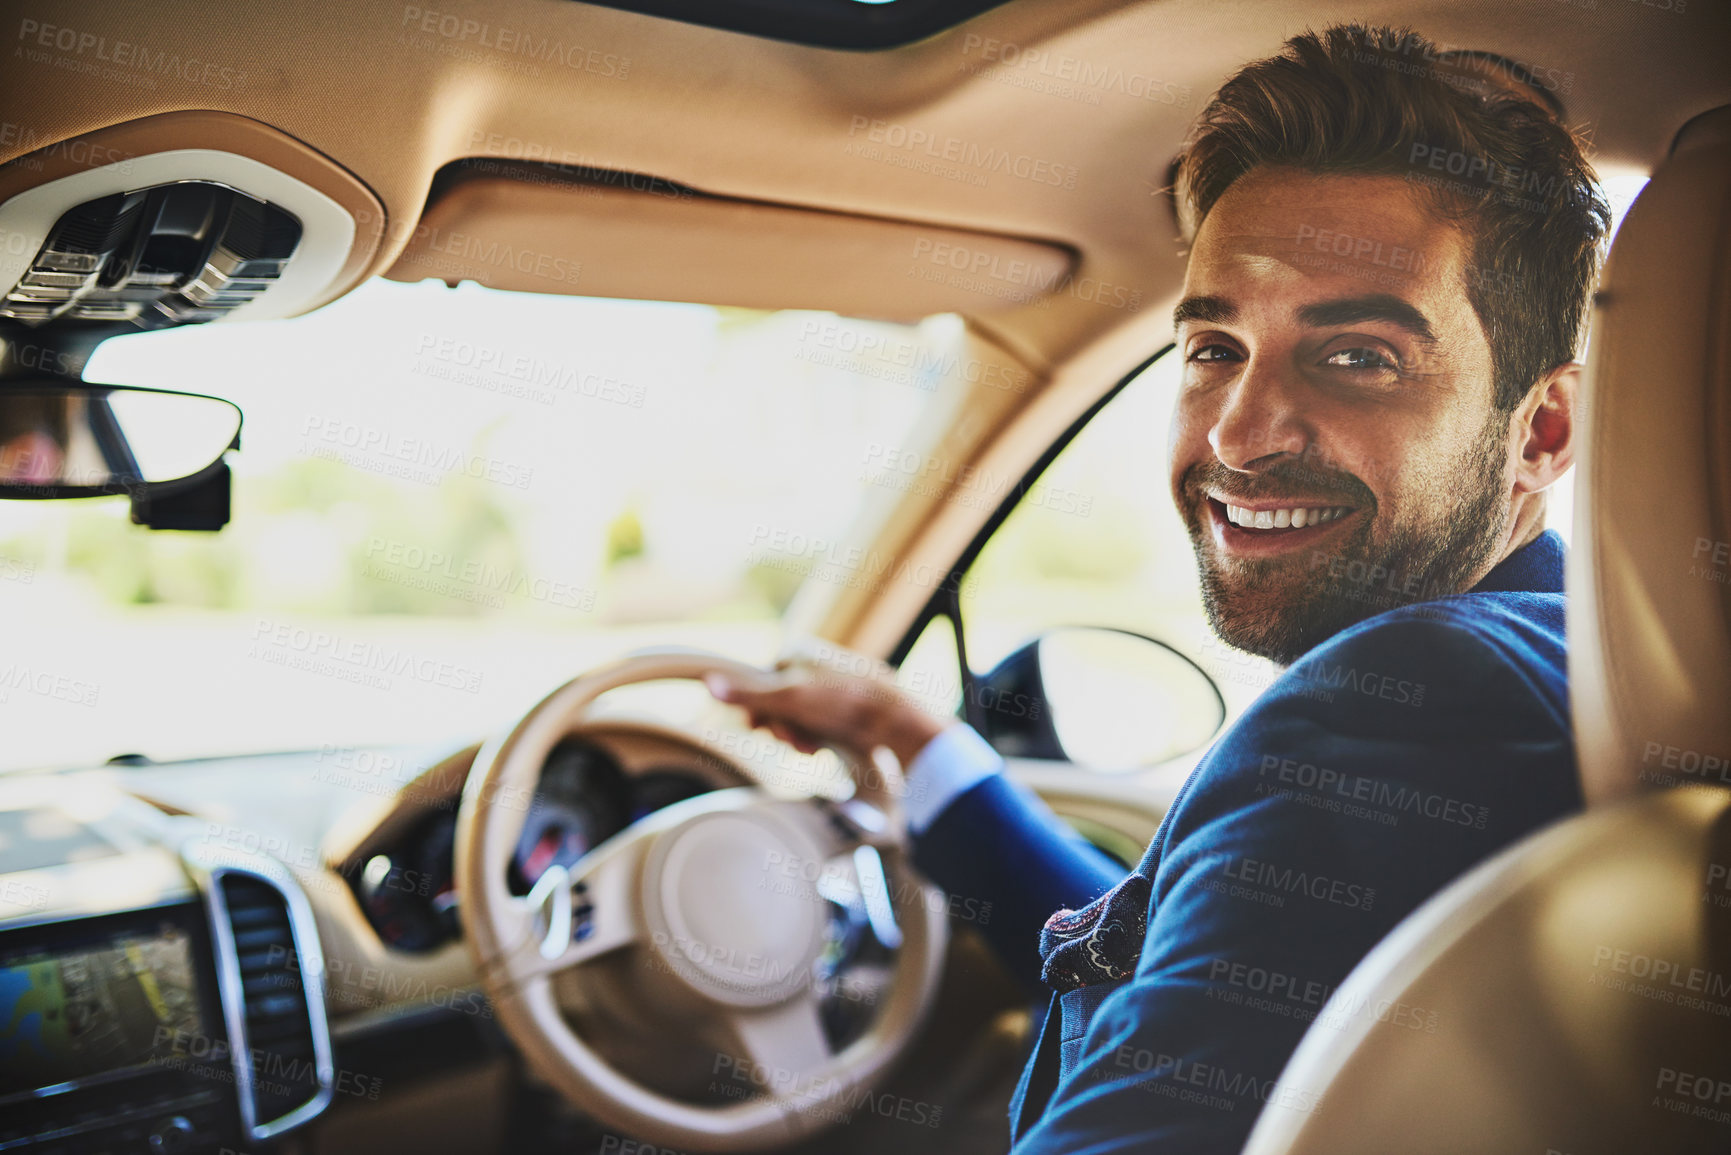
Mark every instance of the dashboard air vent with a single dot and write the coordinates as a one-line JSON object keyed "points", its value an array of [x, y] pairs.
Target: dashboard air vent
{"points": [[282, 1063]]}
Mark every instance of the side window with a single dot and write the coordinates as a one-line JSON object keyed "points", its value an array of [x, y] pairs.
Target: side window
{"points": [[1084, 606]]}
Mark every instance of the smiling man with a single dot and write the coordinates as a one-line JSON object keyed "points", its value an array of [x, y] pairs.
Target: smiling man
{"points": [[1392, 253]]}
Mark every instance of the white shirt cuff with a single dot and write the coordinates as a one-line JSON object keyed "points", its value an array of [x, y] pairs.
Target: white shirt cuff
{"points": [[948, 766]]}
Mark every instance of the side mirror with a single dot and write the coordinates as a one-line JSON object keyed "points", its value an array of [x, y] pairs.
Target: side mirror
{"points": [[1103, 698], [68, 439]]}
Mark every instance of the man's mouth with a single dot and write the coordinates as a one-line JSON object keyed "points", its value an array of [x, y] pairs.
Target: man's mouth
{"points": [[1266, 527]]}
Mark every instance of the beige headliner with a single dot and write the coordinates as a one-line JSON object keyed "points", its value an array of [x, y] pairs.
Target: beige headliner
{"points": [[757, 120]]}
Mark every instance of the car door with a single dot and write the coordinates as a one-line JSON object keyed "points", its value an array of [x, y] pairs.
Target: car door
{"points": [[1076, 641]]}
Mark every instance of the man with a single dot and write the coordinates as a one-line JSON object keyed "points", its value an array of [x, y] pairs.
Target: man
{"points": [[1379, 385]]}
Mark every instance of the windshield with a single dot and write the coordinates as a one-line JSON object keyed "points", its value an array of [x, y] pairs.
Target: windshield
{"points": [[446, 503]]}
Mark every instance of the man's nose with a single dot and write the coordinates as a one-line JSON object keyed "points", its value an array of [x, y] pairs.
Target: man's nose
{"points": [[1260, 417]]}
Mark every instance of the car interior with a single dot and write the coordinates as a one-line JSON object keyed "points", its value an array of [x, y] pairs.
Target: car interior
{"points": [[291, 877]]}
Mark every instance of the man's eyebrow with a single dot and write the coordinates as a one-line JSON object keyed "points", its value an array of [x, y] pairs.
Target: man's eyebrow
{"points": [[1207, 310], [1376, 307]]}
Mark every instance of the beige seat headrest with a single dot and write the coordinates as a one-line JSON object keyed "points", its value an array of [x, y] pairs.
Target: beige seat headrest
{"points": [[1649, 578]]}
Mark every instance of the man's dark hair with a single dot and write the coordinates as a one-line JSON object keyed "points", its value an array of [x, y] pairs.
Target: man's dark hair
{"points": [[1473, 131]]}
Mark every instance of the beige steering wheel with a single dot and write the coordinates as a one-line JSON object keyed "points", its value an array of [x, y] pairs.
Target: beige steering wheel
{"points": [[685, 887]]}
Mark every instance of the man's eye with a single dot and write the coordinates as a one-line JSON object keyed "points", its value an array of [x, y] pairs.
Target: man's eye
{"points": [[1214, 353], [1358, 359]]}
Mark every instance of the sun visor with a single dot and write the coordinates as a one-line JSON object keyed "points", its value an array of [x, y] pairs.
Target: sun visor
{"points": [[605, 234]]}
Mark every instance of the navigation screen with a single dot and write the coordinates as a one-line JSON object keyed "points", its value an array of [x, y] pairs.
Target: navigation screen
{"points": [[71, 1013]]}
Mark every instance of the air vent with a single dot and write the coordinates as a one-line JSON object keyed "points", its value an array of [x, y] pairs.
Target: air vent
{"points": [[272, 983], [279, 1033]]}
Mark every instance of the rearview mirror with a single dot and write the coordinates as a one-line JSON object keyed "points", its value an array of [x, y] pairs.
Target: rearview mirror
{"points": [[1106, 699], [61, 439]]}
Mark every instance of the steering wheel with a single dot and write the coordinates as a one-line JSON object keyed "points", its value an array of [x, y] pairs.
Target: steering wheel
{"points": [[719, 897]]}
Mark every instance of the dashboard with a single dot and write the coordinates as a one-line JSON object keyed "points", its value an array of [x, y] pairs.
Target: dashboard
{"points": [[156, 994], [586, 796], [188, 950], [215, 954]]}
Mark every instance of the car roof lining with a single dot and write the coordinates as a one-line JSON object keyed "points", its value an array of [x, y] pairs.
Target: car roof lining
{"points": [[1049, 122]]}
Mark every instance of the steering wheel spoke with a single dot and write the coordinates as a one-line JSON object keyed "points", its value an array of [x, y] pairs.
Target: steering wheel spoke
{"points": [[573, 916], [783, 1047]]}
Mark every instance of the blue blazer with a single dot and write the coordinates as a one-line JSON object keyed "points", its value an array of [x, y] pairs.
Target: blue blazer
{"points": [[1381, 765]]}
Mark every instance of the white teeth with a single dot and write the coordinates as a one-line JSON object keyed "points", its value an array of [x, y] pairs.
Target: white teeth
{"points": [[1291, 518]]}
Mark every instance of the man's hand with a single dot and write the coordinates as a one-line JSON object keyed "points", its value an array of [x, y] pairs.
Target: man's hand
{"points": [[819, 701]]}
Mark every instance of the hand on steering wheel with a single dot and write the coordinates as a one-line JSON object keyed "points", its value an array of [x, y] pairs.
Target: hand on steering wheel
{"points": [[693, 889], [827, 696]]}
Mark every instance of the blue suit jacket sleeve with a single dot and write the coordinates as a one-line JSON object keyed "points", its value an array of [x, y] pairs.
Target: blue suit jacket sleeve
{"points": [[1379, 767], [1010, 859]]}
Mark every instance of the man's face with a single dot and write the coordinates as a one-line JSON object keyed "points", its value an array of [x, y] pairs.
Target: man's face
{"points": [[1335, 448]]}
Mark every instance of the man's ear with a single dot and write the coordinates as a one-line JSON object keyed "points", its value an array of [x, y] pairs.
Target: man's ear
{"points": [[1544, 428]]}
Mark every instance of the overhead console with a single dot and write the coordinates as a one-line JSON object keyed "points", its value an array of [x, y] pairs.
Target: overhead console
{"points": [[172, 254], [175, 219]]}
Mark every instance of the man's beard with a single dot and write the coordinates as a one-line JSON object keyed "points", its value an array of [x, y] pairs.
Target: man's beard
{"points": [[1279, 608]]}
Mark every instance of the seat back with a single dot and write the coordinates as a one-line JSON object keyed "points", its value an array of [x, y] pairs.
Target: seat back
{"points": [[1573, 994]]}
